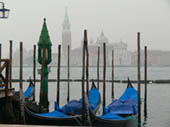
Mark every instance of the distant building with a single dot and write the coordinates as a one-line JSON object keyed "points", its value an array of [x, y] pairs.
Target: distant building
{"points": [[121, 54], [154, 58]]}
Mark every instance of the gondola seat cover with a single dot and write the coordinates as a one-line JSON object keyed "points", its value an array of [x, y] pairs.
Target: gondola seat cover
{"points": [[126, 104], [53, 114], [111, 115], [120, 107], [74, 107], [29, 92]]}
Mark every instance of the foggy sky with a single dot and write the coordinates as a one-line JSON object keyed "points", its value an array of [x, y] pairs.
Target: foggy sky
{"points": [[119, 19]]}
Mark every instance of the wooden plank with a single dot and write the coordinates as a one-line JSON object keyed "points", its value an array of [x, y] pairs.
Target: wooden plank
{"points": [[3, 66], [14, 125], [10, 92], [3, 79], [3, 84]]}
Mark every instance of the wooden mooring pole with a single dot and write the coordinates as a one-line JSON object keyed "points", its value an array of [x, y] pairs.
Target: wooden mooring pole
{"points": [[58, 75], [34, 69], [21, 84], [0, 53], [112, 75], [145, 94], [83, 76], [139, 78], [104, 77], [10, 64], [68, 75], [21, 66], [42, 79], [98, 63], [87, 63]]}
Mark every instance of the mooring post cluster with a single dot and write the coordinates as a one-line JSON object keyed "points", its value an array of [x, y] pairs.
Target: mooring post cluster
{"points": [[44, 58]]}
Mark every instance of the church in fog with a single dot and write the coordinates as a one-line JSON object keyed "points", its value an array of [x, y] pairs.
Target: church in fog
{"points": [[121, 54]]}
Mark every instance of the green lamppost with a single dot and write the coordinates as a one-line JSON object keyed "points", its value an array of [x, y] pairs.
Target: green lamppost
{"points": [[44, 39]]}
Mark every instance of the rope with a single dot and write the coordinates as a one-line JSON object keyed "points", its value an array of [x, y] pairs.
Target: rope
{"points": [[77, 121]]}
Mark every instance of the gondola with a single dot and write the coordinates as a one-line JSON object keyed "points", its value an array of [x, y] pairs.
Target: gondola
{"points": [[30, 103], [28, 94], [68, 115], [121, 112]]}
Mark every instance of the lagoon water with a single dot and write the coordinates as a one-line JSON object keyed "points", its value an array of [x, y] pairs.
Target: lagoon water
{"points": [[158, 94]]}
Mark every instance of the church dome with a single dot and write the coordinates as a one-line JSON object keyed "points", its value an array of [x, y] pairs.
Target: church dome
{"points": [[102, 39]]}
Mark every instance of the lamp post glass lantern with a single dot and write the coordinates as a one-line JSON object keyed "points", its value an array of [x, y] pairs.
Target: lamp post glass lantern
{"points": [[4, 13]]}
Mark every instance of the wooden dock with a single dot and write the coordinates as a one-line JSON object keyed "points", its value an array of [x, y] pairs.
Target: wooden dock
{"points": [[3, 92], [13, 125]]}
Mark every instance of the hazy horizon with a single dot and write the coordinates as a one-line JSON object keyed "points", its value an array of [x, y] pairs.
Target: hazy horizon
{"points": [[118, 19]]}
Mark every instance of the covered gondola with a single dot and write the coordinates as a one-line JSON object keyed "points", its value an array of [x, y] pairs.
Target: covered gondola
{"points": [[68, 115], [121, 112]]}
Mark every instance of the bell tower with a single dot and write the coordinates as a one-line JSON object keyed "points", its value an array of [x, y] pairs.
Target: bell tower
{"points": [[66, 33]]}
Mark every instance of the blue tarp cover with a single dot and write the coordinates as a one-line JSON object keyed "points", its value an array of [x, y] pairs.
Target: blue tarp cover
{"points": [[94, 98], [130, 93], [118, 106], [126, 104], [54, 114], [74, 107], [111, 115], [29, 92]]}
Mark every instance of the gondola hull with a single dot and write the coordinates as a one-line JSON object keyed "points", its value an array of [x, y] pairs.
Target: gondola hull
{"points": [[99, 122], [32, 118]]}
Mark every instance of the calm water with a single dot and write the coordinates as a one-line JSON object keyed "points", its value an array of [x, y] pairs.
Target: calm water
{"points": [[158, 94]]}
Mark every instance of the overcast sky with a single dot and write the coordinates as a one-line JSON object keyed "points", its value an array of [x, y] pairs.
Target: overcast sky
{"points": [[119, 19]]}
